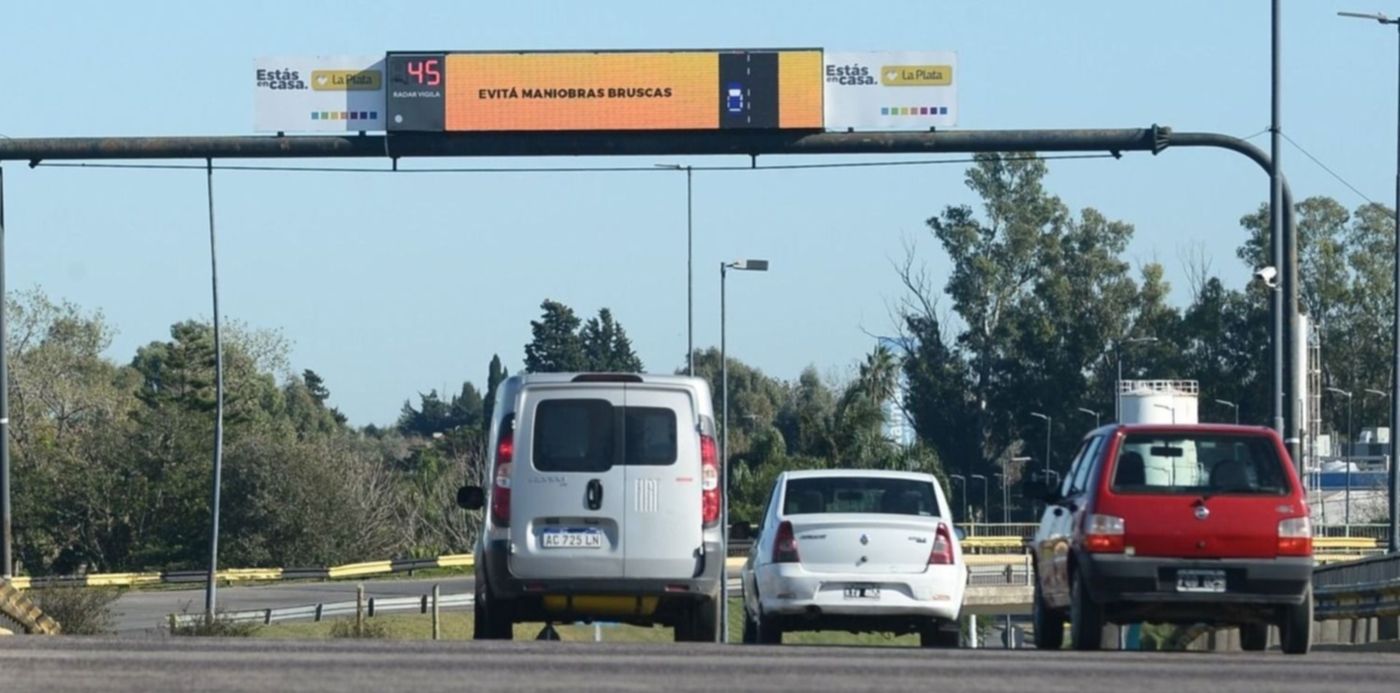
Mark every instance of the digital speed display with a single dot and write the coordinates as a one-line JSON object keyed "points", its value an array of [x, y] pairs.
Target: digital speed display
{"points": [[578, 91]]}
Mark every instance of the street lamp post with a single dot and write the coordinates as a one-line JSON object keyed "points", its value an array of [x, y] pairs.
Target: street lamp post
{"points": [[1092, 413], [724, 267], [1048, 421], [983, 477], [1233, 406], [1118, 385], [1351, 449], [1393, 544], [1001, 479], [1005, 490], [963, 480]]}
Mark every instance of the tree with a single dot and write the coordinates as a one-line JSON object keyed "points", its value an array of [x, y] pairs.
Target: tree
{"points": [[495, 375], [555, 346], [1040, 295], [315, 386], [606, 347]]}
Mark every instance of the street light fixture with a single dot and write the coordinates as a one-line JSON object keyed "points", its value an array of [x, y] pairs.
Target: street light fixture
{"points": [[1092, 413], [1393, 543], [1351, 449], [1048, 421], [1118, 386], [1168, 407], [724, 267], [963, 479], [984, 494], [1231, 405]]}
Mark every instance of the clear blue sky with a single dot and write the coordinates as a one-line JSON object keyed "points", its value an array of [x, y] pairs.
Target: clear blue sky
{"points": [[390, 285]]}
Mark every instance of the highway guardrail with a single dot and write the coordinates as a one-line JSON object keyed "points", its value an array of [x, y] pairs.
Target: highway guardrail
{"points": [[1363, 588]]}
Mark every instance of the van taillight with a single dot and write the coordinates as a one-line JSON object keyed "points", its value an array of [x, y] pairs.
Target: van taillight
{"points": [[1103, 534], [1295, 537], [500, 487], [785, 545], [709, 481], [942, 553]]}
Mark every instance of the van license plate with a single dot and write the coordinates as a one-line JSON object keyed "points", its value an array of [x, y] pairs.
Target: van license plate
{"points": [[1200, 581], [571, 539], [862, 592]]}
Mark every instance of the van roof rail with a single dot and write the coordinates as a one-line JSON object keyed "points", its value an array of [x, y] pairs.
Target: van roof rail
{"points": [[607, 378]]}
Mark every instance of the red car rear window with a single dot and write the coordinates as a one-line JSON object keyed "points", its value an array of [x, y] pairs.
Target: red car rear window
{"points": [[1199, 464]]}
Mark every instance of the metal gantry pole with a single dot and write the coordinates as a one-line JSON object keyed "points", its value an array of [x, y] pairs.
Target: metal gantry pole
{"points": [[211, 585], [689, 280], [6, 529], [1393, 544], [1276, 225], [723, 460]]}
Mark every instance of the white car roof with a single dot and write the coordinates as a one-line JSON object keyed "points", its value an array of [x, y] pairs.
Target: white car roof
{"points": [[867, 473]]}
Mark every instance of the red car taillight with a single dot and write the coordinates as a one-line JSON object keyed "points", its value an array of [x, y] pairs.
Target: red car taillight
{"points": [[942, 553], [1103, 534], [500, 487], [709, 481], [1295, 537], [785, 545]]}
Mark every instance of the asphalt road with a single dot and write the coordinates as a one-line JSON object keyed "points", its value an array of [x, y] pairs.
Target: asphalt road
{"points": [[107, 664], [144, 612]]}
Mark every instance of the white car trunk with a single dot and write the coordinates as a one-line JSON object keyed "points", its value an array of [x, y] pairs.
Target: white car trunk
{"points": [[864, 542]]}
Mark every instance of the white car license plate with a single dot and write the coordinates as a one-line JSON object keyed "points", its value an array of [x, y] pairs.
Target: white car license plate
{"points": [[1200, 581], [571, 539], [862, 592]]}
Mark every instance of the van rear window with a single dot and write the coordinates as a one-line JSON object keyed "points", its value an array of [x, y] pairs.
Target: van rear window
{"points": [[1199, 465], [581, 435], [574, 435], [854, 494], [651, 436]]}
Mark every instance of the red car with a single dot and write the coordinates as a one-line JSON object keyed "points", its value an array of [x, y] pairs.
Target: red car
{"points": [[1184, 524]]}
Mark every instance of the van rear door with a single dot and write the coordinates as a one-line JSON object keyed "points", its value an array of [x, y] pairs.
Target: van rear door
{"points": [[569, 485], [663, 529]]}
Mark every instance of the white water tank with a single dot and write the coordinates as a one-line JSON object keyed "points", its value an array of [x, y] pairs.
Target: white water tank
{"points": [[1158, 401]]}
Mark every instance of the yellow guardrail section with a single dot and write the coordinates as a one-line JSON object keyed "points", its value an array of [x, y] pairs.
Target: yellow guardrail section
{"points": [[1330, 549], [459, 560], [1346, 543]]}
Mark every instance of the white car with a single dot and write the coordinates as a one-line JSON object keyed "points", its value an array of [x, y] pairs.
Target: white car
{"points": [[858, 551]]}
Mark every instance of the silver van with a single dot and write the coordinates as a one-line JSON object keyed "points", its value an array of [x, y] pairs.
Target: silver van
{"points": [[602, 498]]}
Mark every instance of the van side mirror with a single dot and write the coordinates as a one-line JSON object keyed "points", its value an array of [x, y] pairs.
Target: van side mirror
{"points": [[959, 532], [740, 531], [471, 497]]}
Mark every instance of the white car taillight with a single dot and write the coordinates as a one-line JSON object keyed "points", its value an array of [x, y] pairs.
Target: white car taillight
{"points": [[942, 553], [785, 545]]}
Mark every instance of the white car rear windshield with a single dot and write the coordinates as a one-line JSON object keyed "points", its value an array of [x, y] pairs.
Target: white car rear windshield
{"points": [[854, 494]]}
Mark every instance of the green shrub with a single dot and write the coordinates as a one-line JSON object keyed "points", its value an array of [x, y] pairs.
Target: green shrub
{"points": [[221, 627], [369, 628], [78, 610]]}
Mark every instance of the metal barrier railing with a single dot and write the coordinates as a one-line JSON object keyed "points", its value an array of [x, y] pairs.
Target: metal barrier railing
{"points": [[1364, 588]]}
